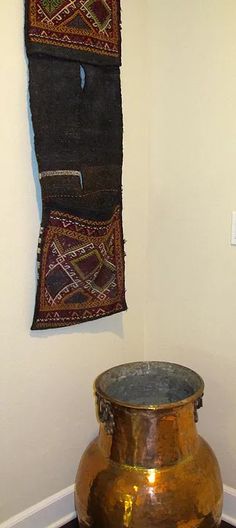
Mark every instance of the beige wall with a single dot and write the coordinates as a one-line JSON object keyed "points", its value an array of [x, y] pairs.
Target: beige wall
{"points": [[191, 277], [46, 402], [179, 93]]}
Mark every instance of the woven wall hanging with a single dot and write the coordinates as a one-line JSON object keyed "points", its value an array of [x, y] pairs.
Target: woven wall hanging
{"points": [[73, 49]]}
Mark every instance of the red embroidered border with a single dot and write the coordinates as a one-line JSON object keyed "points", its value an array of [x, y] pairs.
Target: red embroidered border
{"points": [[81, 270], [85, 25]]}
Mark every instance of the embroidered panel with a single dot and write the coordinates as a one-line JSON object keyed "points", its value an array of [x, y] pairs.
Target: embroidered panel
{"points": [[81, 272], [86, 25]]}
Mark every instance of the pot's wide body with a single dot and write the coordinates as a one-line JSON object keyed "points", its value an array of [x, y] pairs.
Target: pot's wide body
{"points": [[148, 467]]}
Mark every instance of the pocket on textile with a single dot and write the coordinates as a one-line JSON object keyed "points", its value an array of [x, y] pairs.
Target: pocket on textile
{"points": [[81, 270]]}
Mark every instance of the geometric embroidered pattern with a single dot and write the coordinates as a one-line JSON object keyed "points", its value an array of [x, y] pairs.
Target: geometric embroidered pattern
{"points": [[81, 270], [86, 25]]}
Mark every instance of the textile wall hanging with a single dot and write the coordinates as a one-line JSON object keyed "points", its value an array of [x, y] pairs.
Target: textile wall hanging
{"points": [[73, 49]]}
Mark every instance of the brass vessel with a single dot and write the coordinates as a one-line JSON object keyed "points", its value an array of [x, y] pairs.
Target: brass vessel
{"points": [[149, 467]]}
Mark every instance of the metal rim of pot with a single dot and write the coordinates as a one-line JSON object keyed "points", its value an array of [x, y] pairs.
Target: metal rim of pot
{"points": [[197, 395]]}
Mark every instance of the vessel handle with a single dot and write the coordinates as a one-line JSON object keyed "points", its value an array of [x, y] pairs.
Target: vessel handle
{"points": [[198, 404], [105, 414]]}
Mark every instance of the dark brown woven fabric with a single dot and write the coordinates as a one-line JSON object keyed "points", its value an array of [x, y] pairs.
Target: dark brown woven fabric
{"points": [[77, 117]]}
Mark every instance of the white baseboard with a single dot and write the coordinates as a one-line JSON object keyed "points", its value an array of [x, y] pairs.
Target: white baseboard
{"points": [[53, 512], [229, 509], [59, 509]]}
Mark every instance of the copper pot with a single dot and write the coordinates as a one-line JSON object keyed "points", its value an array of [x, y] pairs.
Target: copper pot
{"points": [[148, 467]]}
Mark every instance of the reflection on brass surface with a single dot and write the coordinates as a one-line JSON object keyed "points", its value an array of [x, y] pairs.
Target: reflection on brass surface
{"points": [[149, 468]]}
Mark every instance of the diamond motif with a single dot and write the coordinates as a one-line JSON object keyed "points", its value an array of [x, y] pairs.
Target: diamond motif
{"points": [[99, 11], [77, 297], [51, 5], [57, 280], [87, 265], [105, 277]]}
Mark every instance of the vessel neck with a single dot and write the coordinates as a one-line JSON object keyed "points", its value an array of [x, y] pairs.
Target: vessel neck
{"points": [[150, 438]]}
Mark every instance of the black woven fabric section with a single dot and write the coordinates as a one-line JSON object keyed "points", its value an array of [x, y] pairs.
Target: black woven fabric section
{"points": [[79, 129]]}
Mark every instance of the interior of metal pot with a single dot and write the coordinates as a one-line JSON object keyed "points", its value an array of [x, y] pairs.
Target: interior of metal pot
{"points": [[149, 383]]}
